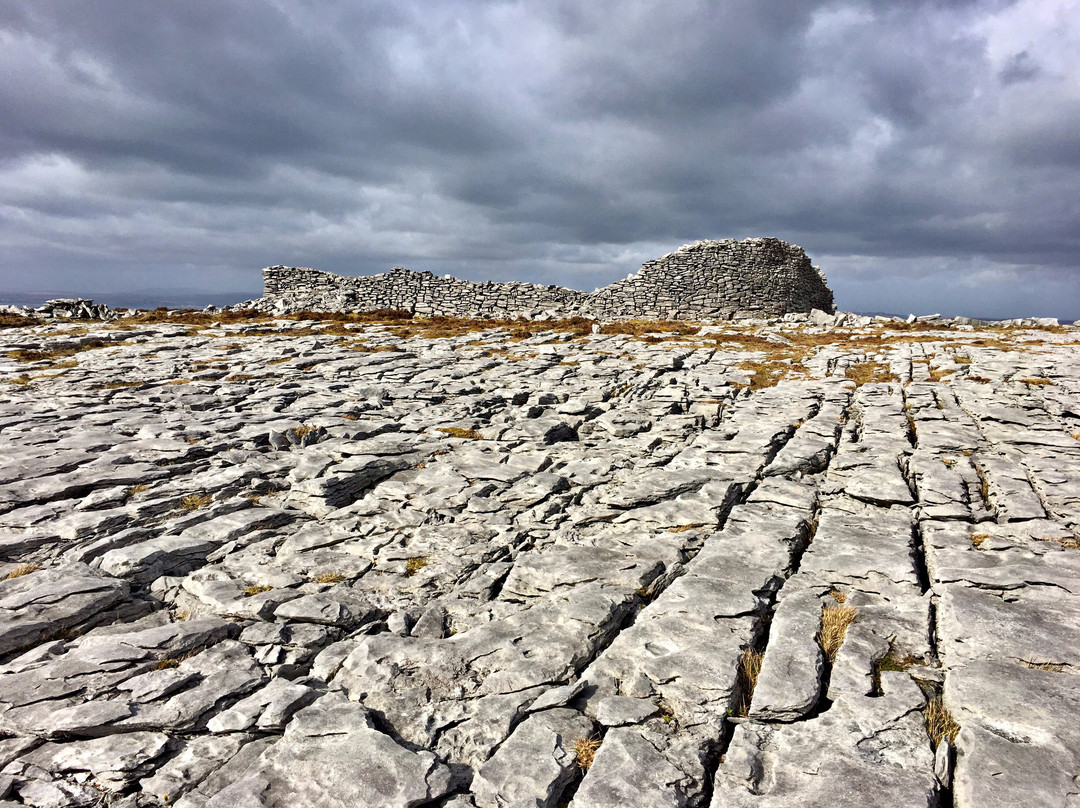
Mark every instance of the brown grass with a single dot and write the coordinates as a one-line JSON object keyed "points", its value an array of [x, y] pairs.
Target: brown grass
{"points": [[747, 675], [458, 432], [444, 327], [1036, 381], [684, 528], [173, 662], [870, 373], [978, 538], [54, 353], [21, 379], [835, 621], [414, 565], [585, 750], [330, 578], [1067, 543], [302, 430], [937, 374], [838, 596], [1053, 667], [17, 321], [21, 570], [940, 725], [255, 589], [637, 328], [195, 501]]}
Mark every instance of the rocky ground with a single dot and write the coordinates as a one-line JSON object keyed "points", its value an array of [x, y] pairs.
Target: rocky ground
{"points": [[282, 563]]}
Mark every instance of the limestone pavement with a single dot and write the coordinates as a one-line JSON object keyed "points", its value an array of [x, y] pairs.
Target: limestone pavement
{"points": [[812, 561]]}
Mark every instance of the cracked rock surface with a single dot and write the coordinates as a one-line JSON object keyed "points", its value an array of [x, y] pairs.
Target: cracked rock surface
{"points": [[812, 561]]}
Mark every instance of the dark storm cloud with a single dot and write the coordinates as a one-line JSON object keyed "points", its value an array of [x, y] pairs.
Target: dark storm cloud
{"points": [[927, 147]]}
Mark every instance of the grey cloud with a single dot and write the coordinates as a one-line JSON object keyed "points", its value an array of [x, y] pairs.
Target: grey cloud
{"points": [[559, 142]]}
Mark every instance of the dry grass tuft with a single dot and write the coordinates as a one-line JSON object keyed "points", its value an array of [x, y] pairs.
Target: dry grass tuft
{"points": [[54, 353], [195, 501], [330, 578], [255, 589], [173, 662], [1067, 543], [940, 725], [585, 750], [414, 565], [17, 321], [747, 676], [948, 462], [21, 570], [137, 489], [835, 621], [1076, 435], [870, 373], [1053, 667], [303, 429], [1036, 381], [458, 432], [978, 538], [937, 374], [20, 379], [684, 528], [838, 596]]}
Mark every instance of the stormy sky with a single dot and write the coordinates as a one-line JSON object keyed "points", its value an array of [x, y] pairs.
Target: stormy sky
{"points": [[925, 154]]}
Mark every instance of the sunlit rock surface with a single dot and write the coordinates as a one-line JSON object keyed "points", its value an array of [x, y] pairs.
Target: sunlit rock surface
{"points": [[277, 562]]}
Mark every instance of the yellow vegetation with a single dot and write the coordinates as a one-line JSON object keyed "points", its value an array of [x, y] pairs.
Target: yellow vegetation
{"points": [[835, 621], [585, 750], [21, 570]]}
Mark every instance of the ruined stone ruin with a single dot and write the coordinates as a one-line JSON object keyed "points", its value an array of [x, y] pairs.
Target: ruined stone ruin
{"points": [[703, 280]]}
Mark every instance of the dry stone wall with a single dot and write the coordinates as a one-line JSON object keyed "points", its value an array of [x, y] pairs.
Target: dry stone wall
{"points": [[706, 279]]}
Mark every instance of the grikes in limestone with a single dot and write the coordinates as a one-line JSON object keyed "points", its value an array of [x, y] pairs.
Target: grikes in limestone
{"points": [[704, 280]]}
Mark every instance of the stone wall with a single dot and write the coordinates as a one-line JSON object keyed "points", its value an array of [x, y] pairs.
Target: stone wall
{"points": [[704, 280]]}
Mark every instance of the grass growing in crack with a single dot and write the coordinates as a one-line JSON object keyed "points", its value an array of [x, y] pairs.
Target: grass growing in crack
{"points": [[684, 528], [21, 570], [302, 430], [255, 589], [747, 676], [835, 621], [414, 565], [458, 432], [195, 501], [1053, 667], [870, 372], [330, 578], [48, 355], [978, 538], [173, 662], [940, 725], [1036, 381], [1067, 543], [585, 750]]}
